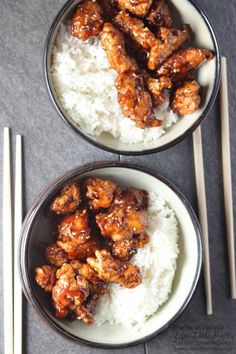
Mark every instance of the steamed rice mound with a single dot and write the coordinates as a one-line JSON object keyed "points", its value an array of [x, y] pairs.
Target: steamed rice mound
{"points": [[84, 83], [157, 262]]}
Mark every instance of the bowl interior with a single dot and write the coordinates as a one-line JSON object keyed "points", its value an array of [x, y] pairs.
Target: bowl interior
{"points": [[187, 273], [203, 37]]}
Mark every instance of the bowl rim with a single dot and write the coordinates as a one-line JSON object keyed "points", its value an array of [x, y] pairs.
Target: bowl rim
{"points": [[24, 241], [54, 100]]}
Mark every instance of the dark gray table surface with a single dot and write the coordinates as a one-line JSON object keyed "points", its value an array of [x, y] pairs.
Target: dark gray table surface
{"points": [[52, 148]]}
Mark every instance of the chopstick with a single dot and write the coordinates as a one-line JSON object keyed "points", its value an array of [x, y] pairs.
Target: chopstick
{"points": [[227, 179], [202, 211], [7, 245], [17, 230]]}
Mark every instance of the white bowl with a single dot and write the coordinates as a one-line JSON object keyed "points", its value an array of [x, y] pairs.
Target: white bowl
{"points": [[184, 11], [37, 229]]}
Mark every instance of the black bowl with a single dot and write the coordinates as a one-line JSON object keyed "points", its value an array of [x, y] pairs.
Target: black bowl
{"points": [[185, 11], [37, 228]]}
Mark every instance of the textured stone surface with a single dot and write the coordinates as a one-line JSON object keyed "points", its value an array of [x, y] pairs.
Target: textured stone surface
{"points": [[51, 148]]}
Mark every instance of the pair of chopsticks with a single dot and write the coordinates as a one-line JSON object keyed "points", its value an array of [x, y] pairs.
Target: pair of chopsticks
{"points": [[12, 293], [228, 199]]}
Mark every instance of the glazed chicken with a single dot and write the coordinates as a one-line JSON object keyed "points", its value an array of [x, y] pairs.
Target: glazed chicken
{"points": [[68, 201], [125, 249], [121, 223], [186, 98], [70, 290], [139, 53], [157, 88], [109, 11], [80, 251], [45, 276], [97, 286], [179, 64], [75, 227], [113, 43], [136, 7], [92, 249], [60, 312], [145, 50], [131, 197], [85, 312], [171, 40], [133, 96], [159, 14], [142, 239], [113, 270], [74, 236], [87, 21], [55, 255], [126, 217], [136, 30], [100, 192], [135, 100]]}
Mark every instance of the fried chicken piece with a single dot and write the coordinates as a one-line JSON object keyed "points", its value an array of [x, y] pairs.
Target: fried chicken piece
{"points": [[55, 255], [60, 312], [186, 98], [127, 215], [157, 88], [179, 64], [85, 270], [70, 290], [45, 276], [87, 21], [109, 11], [80, 251], [97, 286], [124, 250], [120, 223], [100, 192], [135, 101], [113, 270], [136, 30], [159, 14], [131, 197], [136, 7], [86, 311], [136, 220], [136, 51], [172, 40], [68, 201], [74, 236], [75, 227], [142, 239], [113, 43]]}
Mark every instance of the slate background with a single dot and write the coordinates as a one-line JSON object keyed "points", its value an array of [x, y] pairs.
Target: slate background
{"points": [[51, 148]]}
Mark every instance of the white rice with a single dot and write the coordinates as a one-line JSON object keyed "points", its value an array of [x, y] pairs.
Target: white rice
{"points": [[84, 83], [157, 262]]}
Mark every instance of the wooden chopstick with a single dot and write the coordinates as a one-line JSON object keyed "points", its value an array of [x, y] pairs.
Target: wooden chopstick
{"points": [[7, 245], [17, 229], [202, 211], [227, 179]]}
